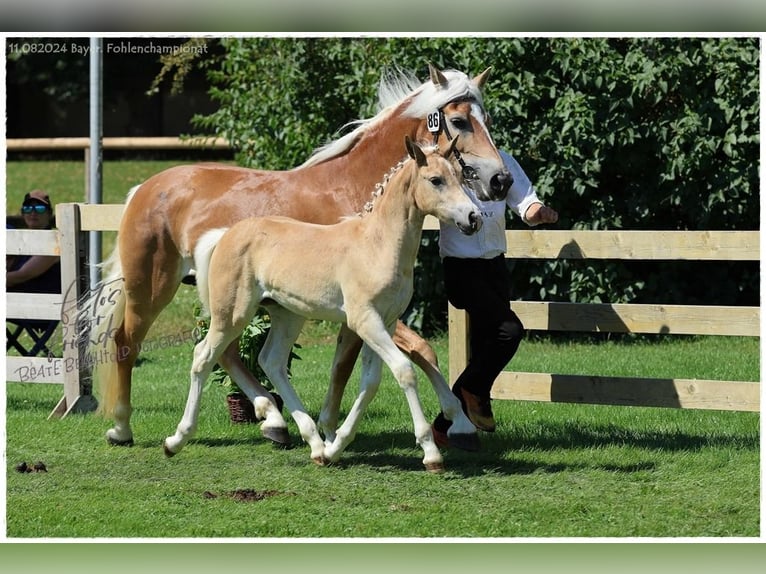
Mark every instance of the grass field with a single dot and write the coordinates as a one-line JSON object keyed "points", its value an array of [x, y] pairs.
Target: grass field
{"points": [[551, 470]]}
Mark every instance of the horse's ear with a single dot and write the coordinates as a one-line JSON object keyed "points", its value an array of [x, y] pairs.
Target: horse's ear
{"points": [[438, 79], [415, 152], [481, 79]]}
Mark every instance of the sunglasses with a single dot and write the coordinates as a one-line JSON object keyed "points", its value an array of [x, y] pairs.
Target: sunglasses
{"points": [[36, 208]]}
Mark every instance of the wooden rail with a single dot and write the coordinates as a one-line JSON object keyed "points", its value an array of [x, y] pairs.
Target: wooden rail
{"points": [[75, 220], [114, 143], [624, 318], [142, 143]]}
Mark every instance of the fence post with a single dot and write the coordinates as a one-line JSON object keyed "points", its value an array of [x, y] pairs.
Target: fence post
{"points": [[459, 349], [78, 395]]}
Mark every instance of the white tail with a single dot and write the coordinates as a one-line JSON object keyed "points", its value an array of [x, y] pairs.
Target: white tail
{"points": [[202, 254], [107, 319]]}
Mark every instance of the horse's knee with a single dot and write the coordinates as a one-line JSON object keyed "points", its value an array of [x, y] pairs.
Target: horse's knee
{"points": [[414, 345], [404, 373]]}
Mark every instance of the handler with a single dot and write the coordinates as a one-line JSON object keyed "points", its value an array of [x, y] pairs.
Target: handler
{"points": [[476, 279]]}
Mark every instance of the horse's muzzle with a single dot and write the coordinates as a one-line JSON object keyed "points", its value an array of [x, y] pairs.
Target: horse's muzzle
{"points": [[474, 223], [499, 185]]}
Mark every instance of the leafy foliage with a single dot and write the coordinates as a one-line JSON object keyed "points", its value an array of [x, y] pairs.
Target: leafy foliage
{"points": [[250, 344], [616, 133]]}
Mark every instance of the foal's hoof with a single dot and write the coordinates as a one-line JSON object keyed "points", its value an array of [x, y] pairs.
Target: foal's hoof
{"points": [[168, 453], [118, 442], [469, 442], [320, 461], [278, 436], [435, 467]]}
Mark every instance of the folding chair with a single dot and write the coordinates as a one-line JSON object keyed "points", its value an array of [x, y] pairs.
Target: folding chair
{"points": [[38, 331]]}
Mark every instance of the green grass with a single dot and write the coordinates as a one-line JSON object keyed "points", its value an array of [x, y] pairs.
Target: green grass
{"points": [[65, 182], [551, 470]]}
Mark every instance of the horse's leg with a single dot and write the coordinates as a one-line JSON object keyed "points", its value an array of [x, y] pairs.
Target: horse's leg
{"points": [[346, 351], [206, 353], [374, 333], [274, 426], [368, 388], [151, 280], [462, 432], [274, 358]]}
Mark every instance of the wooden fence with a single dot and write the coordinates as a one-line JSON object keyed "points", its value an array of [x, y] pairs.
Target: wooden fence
{"points": [[72, 369], [76, 220], [624, 318], [70, 243]]}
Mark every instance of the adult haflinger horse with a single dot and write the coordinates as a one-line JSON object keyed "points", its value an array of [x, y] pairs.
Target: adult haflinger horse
{"points": [[358, 272], [166, 215]]}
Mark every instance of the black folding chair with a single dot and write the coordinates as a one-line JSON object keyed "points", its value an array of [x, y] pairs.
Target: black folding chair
{"points": [[30, 336], [38, 331]]}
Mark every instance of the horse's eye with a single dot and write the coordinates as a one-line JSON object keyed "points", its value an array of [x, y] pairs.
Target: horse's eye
{"points": [[437, 181], [460, 123]]}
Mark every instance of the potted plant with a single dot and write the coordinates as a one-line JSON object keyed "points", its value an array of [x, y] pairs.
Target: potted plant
{"points": [[251, 341]]}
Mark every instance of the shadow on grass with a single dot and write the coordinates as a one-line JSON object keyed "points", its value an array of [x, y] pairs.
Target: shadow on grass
{"points": [[467, 465], [571, 435], [496, 454], [396, 450]]}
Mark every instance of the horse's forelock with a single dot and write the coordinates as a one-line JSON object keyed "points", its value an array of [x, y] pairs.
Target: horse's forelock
{"points": [[430, 97]]}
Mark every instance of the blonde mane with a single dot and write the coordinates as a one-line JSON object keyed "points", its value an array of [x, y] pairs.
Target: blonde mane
{"points": [[395, 88]]}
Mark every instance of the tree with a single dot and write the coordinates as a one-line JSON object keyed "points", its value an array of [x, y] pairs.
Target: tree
{"points": [[617, 133]]}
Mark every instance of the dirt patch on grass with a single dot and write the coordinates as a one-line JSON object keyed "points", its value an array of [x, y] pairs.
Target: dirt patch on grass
{"points": [[246, 494]]}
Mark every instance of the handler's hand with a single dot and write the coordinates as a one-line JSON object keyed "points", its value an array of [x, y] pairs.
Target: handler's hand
{"points": [[538, 213]]}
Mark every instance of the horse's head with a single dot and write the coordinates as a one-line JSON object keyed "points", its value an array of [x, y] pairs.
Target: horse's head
{"points": [[437, 190], [458, 110]]}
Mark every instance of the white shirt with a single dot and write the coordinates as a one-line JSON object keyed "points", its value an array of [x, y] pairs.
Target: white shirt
{"points": [[489, 241]]}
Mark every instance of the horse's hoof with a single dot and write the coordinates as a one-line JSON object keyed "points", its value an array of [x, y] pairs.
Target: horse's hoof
{"points": [[277, 435], [168, 453], [469, 442], [116, 442], [435, 467], [320, 460]]}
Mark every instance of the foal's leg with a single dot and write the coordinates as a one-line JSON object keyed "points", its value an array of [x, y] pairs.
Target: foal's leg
{"points": [[274, 426], [462, 433], [273, 358], [368, 388], [206, 353], [374, 333], [346, 351]]}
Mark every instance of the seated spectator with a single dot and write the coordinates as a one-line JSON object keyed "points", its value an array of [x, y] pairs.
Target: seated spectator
{"points": [[34, 273]]}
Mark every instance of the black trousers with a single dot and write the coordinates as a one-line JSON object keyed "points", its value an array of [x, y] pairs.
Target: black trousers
{"points": [[482, 287]]}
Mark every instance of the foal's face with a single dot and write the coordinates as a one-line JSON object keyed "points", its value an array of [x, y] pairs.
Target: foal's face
{"points": [[438, 191], [468, 120]]}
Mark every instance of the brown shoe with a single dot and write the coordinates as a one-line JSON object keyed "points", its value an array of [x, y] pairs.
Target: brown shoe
{"points": [[479, 410]]}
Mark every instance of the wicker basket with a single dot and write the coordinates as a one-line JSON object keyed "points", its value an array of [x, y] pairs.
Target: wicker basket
{"points": [[241, 410]]}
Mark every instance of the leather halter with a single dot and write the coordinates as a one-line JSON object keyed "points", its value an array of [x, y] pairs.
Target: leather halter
{"points": [[437, 123]]}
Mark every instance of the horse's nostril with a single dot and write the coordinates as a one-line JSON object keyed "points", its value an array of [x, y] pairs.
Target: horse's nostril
{"points": [[475, 220], [501, 183]]}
